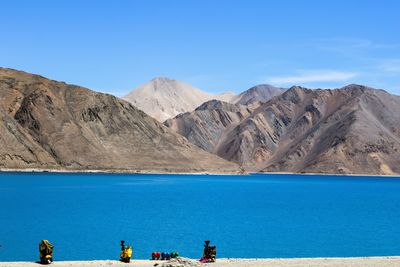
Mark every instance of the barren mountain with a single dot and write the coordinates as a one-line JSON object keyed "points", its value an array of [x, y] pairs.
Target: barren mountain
{"points": [[163, 98], [206, 125], [49, 124], [258, 93], [354, 129]]}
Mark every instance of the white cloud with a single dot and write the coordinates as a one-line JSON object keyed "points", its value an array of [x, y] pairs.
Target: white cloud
{"points": [[351, 45], [313, 76], [391, 66]]}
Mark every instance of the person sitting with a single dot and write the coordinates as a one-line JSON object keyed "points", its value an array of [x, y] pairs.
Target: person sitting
{"points": [[126, 252], [46, 252]]}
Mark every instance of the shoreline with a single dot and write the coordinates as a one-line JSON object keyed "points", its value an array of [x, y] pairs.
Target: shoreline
{"points": [[382, 261], [126, 171]]}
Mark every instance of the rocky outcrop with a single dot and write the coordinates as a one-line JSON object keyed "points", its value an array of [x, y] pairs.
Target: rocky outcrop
{"points": [[49, 124]]}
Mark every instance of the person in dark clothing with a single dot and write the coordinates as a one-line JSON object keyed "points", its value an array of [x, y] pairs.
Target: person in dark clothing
{"points": [[209, 252]]}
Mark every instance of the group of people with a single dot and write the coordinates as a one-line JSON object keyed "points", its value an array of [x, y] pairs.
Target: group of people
{"points": [[209, 253]]}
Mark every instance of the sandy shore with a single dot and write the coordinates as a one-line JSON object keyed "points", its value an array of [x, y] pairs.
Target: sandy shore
{"points": [[300, 262]]}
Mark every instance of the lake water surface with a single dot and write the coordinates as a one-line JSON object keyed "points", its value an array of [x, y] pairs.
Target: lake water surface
{"points": [[86, 215]]}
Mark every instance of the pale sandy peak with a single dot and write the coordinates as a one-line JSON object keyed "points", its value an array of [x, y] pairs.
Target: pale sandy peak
{"points": [[164, 98]]}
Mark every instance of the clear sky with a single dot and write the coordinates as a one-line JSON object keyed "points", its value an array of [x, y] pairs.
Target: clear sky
{"points": [[216, 45]]}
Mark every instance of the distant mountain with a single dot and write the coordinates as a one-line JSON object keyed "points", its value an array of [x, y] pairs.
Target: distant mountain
{"points": [[258, 93], [49, 124], [354, 129], [163, 98]]}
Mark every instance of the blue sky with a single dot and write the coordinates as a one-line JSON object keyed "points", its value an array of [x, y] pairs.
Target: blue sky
{"points": [[114, 46]]}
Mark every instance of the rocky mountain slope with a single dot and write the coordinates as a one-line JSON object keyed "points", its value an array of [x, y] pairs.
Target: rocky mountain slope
{"points": [[354, 129], [49, 124], [163, 98], [206, 125], [258, 93]]}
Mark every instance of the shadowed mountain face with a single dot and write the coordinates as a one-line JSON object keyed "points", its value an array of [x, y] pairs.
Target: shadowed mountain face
{"points": [[49, 124], [259, 93], [350, 130], [163, 98]]}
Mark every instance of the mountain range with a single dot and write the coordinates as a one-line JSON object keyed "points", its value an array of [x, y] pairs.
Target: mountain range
{"points": [[355, 129], [171, 126]]}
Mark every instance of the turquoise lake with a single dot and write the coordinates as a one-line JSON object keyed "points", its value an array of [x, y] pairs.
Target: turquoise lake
{"points": [[86, 215]]}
